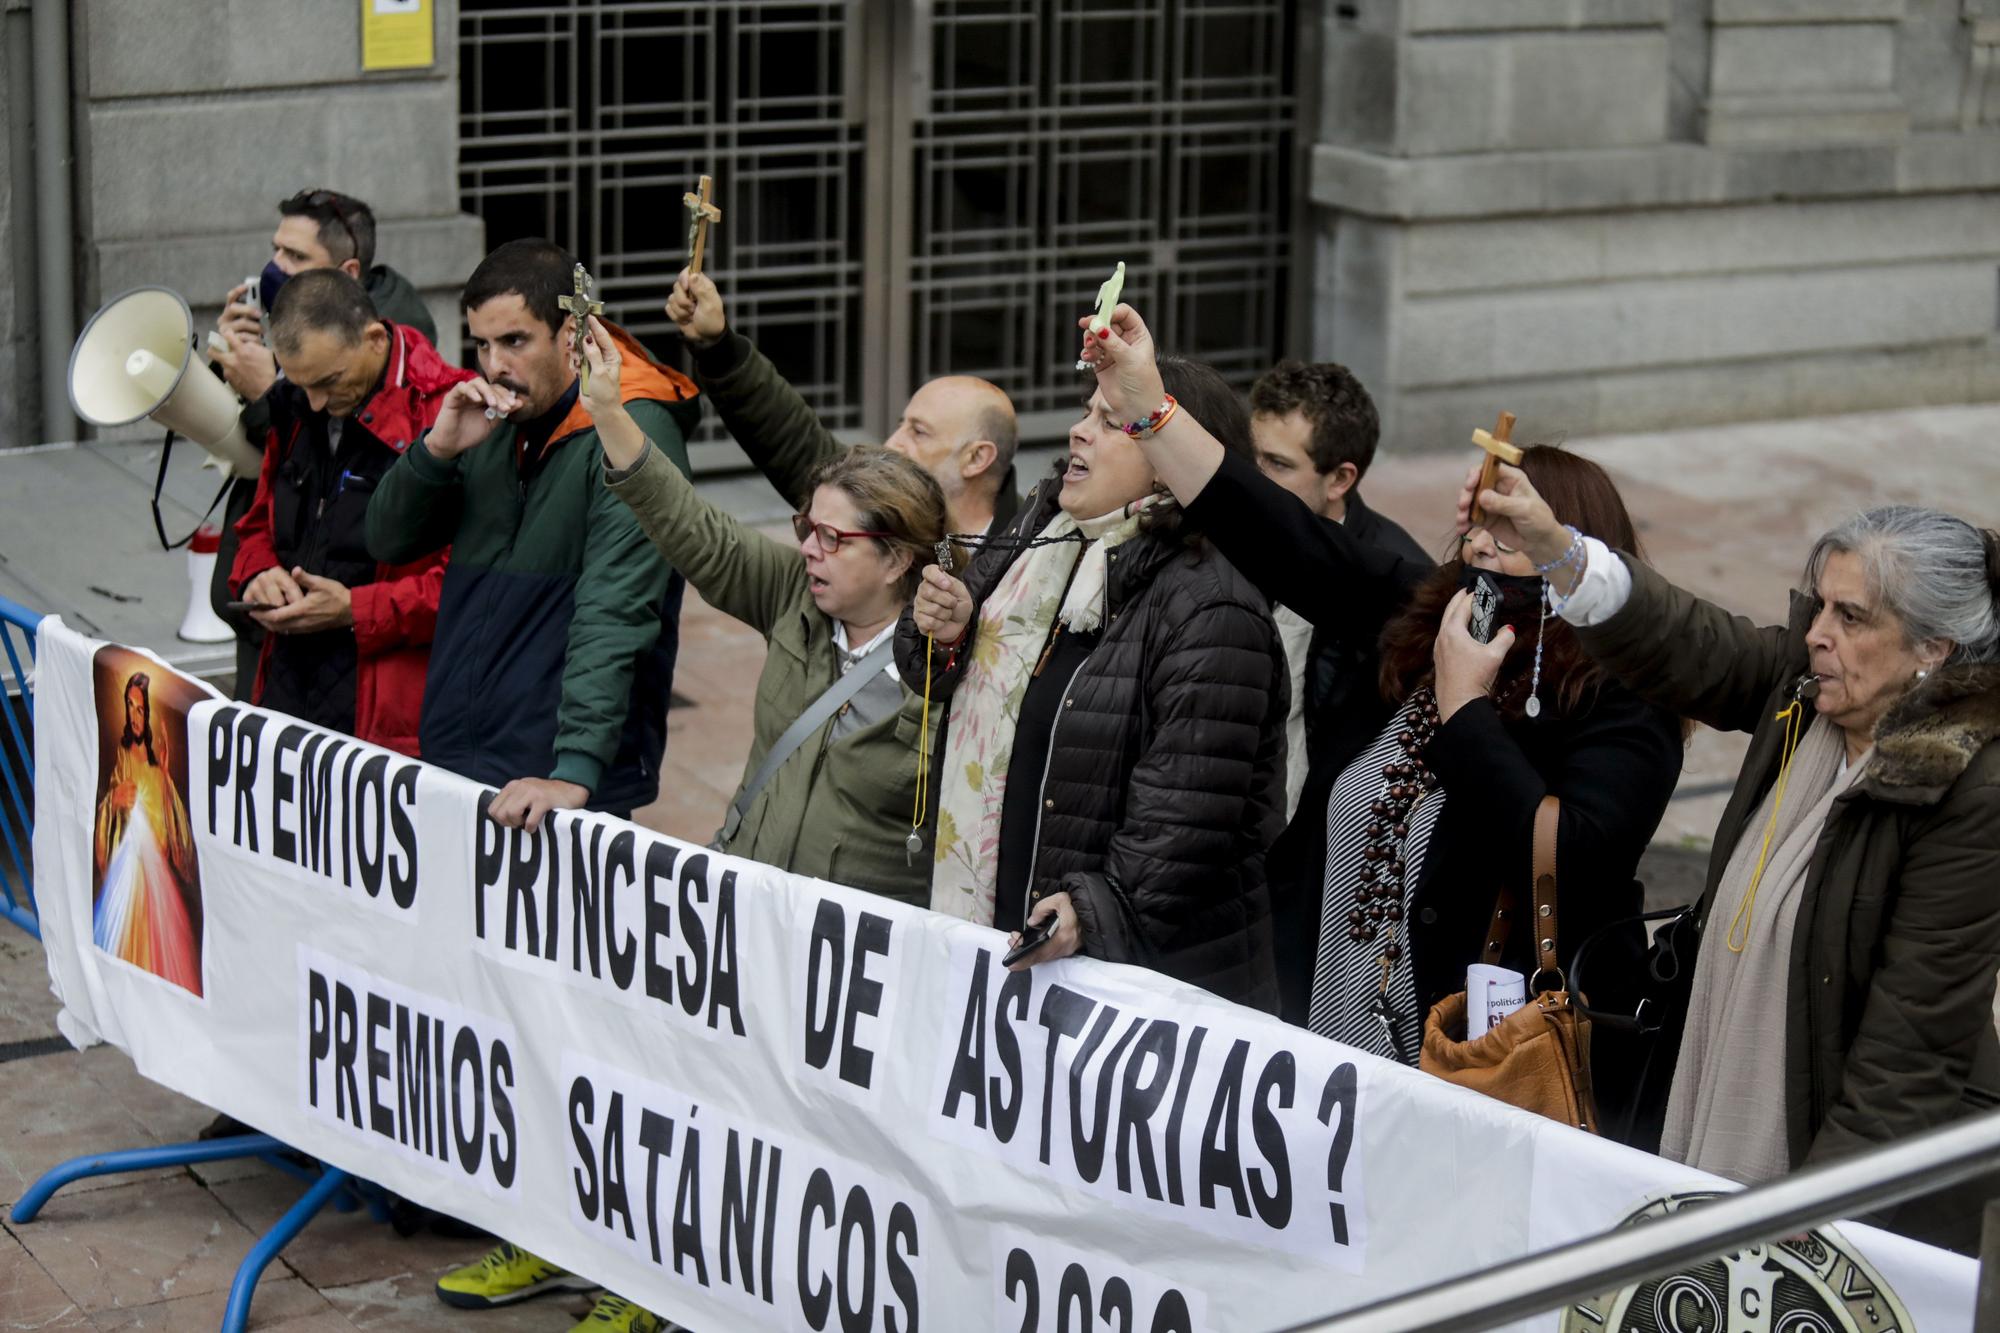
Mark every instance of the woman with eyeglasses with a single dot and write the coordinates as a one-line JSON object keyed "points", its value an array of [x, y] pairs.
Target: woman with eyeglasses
{"points": [[1435, 807], [840, 806], [1115, 765]]}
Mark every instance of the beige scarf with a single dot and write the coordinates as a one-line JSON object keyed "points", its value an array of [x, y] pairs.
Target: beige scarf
{"points": [[1014, 625], [1726, 1113]]}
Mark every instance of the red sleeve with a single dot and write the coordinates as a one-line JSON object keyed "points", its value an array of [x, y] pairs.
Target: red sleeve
{"points": [[254, 551], [399, 611]]}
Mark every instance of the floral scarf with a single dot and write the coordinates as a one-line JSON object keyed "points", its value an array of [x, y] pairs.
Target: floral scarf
{"points": [[1014, 626]]}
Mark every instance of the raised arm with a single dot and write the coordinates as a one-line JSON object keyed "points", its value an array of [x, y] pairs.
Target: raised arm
{"points": [[739, 572], [1293, 556], [1669, 646], [779, 431]]}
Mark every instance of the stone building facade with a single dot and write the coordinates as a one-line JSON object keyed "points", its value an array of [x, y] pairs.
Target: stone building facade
{"points": [[1621, 214]]}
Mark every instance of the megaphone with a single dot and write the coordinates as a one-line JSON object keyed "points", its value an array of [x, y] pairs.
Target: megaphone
{"points": [[135, 359]]}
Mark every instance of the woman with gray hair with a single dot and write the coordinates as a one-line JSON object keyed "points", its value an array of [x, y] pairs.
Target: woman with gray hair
{"points": [[1843, 994]]}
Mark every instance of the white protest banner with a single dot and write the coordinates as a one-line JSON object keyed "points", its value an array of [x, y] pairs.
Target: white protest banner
{"points": [[748, 1099]]}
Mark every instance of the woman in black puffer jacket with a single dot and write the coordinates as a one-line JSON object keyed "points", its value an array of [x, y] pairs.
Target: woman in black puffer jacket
{"points": [[1115, 751]]}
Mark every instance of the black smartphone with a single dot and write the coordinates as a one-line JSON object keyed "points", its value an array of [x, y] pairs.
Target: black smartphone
{"points": [[1485, 608], [249, 606], [1032, 938]]}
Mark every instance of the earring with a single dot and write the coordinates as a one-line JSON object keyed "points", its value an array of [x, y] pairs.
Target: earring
{"points": [[1921, 675]]}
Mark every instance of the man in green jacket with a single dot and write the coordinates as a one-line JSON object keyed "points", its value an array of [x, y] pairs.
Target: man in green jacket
{"points": [[557, 626], [958, 428]]}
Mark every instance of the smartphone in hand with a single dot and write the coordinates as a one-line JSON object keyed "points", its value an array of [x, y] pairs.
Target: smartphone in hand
{"points": [[1485, 608], [1032, 938]]}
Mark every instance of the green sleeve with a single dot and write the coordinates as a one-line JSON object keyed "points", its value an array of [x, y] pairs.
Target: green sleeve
{"points": [[617, 613], [1690, 656], [416, 506], [737, 571], [781, 434]]}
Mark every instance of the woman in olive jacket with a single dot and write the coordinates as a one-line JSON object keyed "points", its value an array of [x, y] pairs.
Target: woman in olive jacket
{"points": [[839, 807], [1866, 912]]}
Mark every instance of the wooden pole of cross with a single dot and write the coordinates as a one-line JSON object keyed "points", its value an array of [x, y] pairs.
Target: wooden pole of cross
{"points": [[700, 213], [1498, 451]]}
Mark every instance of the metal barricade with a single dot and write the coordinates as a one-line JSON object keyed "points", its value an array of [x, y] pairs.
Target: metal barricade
{"points": [[17, 767]]}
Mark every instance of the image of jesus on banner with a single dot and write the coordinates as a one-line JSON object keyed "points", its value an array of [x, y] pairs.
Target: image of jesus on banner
{"points": [[147, 905]]}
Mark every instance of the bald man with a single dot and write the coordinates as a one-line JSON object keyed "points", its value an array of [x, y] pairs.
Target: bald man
{"points": [[959, 429]]}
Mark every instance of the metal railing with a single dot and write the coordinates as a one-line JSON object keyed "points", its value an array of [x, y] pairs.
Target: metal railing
{"points": [[1920, 1165], [17, 767]]}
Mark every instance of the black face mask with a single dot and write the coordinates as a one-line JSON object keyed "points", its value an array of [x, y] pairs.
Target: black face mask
{"points": [[1520, 597]]}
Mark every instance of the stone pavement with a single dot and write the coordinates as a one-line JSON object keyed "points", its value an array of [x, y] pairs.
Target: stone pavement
{"points": [[1730, 511]]}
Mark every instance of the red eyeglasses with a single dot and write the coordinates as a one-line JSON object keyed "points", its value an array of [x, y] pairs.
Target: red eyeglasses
{"points": [[830, 537]]}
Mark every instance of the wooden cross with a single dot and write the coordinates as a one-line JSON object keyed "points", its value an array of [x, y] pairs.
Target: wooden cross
{"points": [[581, 308], [1498, 451], [700, 214]]}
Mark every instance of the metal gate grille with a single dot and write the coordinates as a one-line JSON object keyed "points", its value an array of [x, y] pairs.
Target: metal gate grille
{"points": [[1066, 135], [945, 200], [586, 121]]}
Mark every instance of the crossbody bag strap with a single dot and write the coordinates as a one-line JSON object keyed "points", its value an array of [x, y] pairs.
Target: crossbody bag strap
{"points": [[1500, 926], [822, 708], [1546, 816]]}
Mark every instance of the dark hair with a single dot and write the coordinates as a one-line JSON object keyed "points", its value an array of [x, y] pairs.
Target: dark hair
{"points": [[1582, 495], [346, 225], [891, 494], [143, 683], [538, 271], [1345, 425], [323, 300], [1204, 395]]}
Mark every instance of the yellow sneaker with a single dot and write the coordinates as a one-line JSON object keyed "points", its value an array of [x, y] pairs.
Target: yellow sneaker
{"points": [[506, 1275], [615, 1314]]}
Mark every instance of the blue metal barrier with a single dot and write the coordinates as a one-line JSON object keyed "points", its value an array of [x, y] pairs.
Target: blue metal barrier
{"points": [[17, 769]]}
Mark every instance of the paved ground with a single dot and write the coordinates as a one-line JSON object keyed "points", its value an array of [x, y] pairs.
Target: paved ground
{"points": [[1729, 511]]}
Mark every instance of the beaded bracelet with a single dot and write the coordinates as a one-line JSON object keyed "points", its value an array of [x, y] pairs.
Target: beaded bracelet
{"points": [[1572, 558], [1145, 426]]}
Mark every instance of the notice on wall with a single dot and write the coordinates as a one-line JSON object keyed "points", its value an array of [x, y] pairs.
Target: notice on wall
{"points": [[397, 34]]}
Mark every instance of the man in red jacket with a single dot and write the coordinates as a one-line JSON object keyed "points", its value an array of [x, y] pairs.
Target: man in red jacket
{"points": [[349, 639]]}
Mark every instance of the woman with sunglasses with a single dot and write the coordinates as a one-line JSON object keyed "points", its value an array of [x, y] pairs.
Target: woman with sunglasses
{"points": [[1435, 807], [840, 806]]}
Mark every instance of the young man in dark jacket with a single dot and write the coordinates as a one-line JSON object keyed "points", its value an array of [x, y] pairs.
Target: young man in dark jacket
{"points": [[317, 229], [348, 639], [558, 623], [1315, 429]]}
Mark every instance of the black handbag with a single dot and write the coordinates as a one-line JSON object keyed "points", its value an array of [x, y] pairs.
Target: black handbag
{"points": [[1655, 1020]]}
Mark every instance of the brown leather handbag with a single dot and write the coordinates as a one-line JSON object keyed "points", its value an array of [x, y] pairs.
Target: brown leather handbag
{"points": [[1538, 1057]]}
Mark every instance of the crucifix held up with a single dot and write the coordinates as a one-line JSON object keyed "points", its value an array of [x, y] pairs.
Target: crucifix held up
{"points": [[700, 213], [1498, 451], [581, 308]]}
